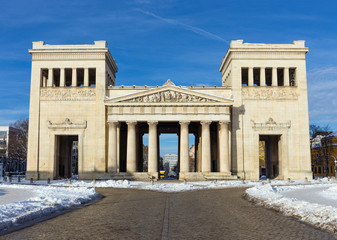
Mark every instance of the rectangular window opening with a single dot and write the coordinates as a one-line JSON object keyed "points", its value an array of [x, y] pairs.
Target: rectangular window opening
{"points": [[56, 77], [92, 77], [244, 76], [68, 77], [80, 77], [292, 72], [44, 77], [280, 77], [268, 76], [256, 77]]}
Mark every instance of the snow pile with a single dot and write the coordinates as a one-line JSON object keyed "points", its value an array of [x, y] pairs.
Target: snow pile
{"points": [[323, 216], [161, 186], [47, 200]]}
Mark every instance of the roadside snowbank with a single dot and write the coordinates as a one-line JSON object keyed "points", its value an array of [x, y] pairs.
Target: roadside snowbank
{"points": [[321, 215], [46, 201]]}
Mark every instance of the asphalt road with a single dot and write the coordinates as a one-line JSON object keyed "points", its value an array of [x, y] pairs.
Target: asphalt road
{"points": [[137, 214]]}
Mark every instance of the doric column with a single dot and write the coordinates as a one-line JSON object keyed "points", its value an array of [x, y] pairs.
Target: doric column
{"points": [[50, 77], [112, 149], [225, 165], [262, 76], [74, 78], [205, 147], [153, 147], [274, 77], [62, 81], [86, 77], [250, 77], [286, 76], [131, 147], [184, 146]]}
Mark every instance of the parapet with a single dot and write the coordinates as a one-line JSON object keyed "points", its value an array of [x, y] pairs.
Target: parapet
{"points": [[40, 45], [240, 44]]}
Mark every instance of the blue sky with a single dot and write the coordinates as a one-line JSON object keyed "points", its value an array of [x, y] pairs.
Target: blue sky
{"points": [[156, 40]]}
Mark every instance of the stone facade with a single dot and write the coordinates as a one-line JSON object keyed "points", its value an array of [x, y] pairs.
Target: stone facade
{"points": [[263, 97]]}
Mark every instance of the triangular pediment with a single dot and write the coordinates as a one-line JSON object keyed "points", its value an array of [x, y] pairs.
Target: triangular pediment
{"points": [[169, 94]]}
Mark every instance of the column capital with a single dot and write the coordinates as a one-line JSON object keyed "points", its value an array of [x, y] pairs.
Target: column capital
{"points": [[224, 122], [116, 123], [152, 122], [206, 122], [131, 123], [184, 122], [262, 67]]}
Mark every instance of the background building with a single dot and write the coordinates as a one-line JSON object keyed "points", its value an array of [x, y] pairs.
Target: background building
{"points": [[324, 154]]}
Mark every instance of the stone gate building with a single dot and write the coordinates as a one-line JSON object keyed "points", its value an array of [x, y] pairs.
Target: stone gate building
{"points": [[263, 97]]}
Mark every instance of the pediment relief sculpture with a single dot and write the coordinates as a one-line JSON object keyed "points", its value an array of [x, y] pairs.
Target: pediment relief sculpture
{"points": [[168, 96]]}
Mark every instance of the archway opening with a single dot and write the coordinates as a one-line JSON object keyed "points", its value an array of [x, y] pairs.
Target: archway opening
{"points": [[168, 152], [269, 156], [67, 156]]}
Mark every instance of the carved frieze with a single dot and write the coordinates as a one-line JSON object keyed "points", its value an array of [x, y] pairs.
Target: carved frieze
{"points": [[67, 94], [266, 93], [270, 124], [168, 96], [67, 124]]}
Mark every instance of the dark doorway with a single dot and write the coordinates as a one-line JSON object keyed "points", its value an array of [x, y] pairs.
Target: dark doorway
{"points": [[67, 156], [269, 156]]}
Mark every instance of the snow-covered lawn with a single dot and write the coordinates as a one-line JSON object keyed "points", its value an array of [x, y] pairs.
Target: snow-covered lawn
{"points": [[36, 202], [314, 202]]}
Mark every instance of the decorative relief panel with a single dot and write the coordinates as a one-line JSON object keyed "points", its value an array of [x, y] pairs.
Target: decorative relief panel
{"points": [[274, 93], [67, 94], [169, 96], [270, 125], [67, 124]]}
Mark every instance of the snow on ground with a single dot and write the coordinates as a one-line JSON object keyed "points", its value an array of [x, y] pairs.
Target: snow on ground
{"points": [[43, 201], [312, 203]]}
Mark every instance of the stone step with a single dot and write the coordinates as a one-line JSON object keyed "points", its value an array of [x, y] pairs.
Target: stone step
{"points": [[219, 176]]}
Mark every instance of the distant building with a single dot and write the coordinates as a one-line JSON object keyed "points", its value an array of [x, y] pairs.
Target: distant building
{"points": [[6, 137], [324, 154], [172, 160]]}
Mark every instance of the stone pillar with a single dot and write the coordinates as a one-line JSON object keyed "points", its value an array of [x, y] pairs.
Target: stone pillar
{"points": [[131, 156], [250, 77], [112, 149], [44, 81], [50, 77], [62, 80], [184, 147], [274, 77], [286, 76], [225, 164], [153, 147], [205, 147], [74, 78], [262, 77], [86, 77]]}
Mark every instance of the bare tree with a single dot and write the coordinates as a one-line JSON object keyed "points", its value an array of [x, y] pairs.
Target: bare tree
{"points": [[314, 129], [17, 147]]}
